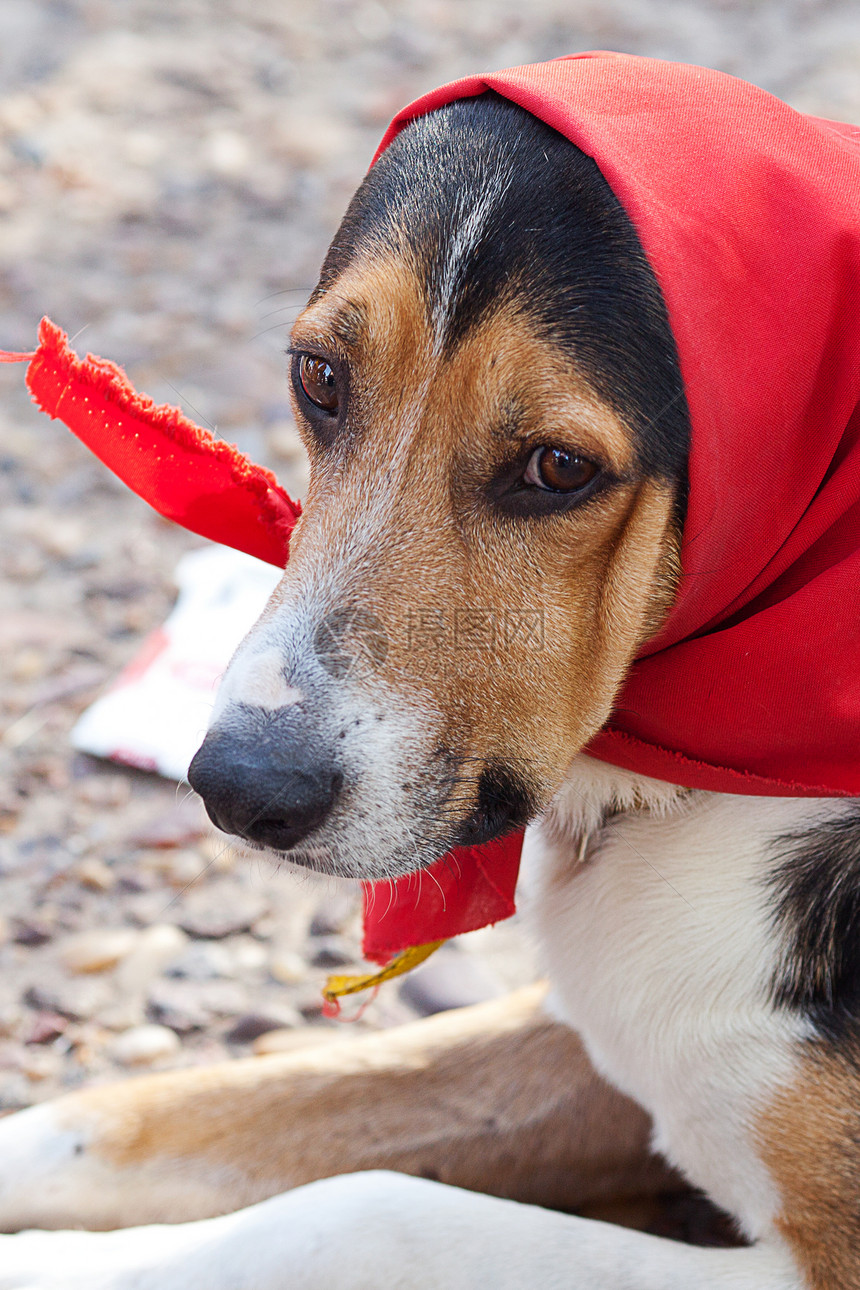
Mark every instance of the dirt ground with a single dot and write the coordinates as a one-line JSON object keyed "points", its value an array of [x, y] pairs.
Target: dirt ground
{"points": [[170, 175]]}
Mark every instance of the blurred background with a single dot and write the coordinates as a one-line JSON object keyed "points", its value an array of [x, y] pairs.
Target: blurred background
{"points": [[170, 175]]}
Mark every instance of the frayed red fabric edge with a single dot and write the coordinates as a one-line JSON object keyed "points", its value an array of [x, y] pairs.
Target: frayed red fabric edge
{"points": [[618, 748], [55, 357]]}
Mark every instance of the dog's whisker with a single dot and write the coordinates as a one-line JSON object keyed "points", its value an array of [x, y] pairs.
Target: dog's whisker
{"points": [[286, 291]]}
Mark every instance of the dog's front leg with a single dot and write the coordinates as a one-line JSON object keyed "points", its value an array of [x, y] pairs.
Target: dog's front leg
{"points": [[498, 1098], [363, 1231]]}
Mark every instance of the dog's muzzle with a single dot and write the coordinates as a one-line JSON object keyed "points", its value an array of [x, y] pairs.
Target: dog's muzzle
{"points": [[264, 778]]}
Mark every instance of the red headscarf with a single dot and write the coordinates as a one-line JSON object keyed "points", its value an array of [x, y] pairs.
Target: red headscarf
{"points": [[749, 213]]}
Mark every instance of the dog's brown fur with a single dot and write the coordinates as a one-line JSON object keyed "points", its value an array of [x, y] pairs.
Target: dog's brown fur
{"points": [[808, 1138]]}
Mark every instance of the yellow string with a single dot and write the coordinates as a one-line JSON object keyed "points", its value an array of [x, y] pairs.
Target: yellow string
{"points": [[336, 986]]}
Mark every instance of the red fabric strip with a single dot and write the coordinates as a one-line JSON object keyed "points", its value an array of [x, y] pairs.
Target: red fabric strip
{"points": [[182, 470]]}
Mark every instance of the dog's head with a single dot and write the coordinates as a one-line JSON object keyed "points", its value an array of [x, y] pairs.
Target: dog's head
{"points": [[488, 389]]}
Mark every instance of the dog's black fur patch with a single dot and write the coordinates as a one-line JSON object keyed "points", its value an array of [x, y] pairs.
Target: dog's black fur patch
{"points": [[505, 802], [816, 882], [554, 241]]}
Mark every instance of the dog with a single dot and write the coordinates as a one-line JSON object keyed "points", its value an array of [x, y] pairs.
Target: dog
{"points": [[491, 396]]}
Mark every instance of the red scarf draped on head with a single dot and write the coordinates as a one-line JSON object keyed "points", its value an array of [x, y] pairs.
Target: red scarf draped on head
{"points": [[749, 213]]}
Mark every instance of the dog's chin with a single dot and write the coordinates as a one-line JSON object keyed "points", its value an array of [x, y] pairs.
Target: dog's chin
{"points": [[359, 860], [365, 862]]}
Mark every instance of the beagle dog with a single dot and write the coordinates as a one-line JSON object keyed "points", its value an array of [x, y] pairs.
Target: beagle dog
{"points": [[495, 416]]}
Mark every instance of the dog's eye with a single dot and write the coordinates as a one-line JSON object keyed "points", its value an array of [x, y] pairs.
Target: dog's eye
{"points": [[559, 471], [318, 383]]}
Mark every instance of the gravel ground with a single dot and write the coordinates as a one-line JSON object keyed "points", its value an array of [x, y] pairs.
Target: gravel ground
{"points": [[170, 175]]}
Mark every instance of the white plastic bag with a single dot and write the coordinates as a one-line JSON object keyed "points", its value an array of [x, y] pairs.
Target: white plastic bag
{"points": [[155, 715]]}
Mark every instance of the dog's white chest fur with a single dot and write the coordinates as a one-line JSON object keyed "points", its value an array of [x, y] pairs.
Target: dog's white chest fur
{"points": [[650, 904]]}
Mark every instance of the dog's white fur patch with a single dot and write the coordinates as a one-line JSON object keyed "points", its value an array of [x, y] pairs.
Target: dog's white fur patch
{"points": [[662, 952], [469, 222], [257, 679]]}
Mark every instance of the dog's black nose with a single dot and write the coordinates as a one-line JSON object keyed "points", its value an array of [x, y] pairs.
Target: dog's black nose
{"points": [[262, 782]]}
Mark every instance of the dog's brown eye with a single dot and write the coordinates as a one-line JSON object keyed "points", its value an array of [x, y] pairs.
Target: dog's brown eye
{"points": [[559, 471], [318, 383]]}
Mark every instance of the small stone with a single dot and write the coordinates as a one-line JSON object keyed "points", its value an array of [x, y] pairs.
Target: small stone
{"points": [[332, 914], [180, 824], [104, 790], [248, 955], [41, 1064], [202, 961], [217, 912], [31, 931], [84, 1053], [144, 1044], [227, 152], [27, 664], [311, 1005], [224, 998], [175, 1004], [265, 927], [75, 999], [156, 947], [45, 1027], [250, 1027], [95, 874], [183, 868], [135, 883], [11, 1018], [123, 1014], [331, 952], [287, 967], [98, 950], [185, 1006], [63, 536], [450, 979]]}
